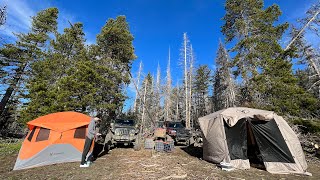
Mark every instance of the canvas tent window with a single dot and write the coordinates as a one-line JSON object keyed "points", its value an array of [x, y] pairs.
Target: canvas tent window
{"points": [[80, 133], [31, 134], [43, 134]]}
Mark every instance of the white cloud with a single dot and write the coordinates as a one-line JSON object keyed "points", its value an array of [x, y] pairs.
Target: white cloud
{"points": [[18, 17]]}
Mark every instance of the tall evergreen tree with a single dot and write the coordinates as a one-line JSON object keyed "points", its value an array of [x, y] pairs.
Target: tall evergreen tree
{"points": [[256, 35], [265, 67], [224, 87], [114, 55], [28, 49], [65, 80], [201, 90], [309, 56]]}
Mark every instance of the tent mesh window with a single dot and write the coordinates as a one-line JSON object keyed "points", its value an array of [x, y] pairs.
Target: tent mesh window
{"points": [[43, 134], [31, 134], [80, 133]]}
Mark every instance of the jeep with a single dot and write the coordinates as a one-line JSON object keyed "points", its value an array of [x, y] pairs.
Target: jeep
{"points": [[124, 131]]}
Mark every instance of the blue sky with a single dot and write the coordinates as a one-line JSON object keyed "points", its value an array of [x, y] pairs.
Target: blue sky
{"points": [[155, 24]]}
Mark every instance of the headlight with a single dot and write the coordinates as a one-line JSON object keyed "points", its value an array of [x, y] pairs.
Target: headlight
{"points": [[132, 132]]}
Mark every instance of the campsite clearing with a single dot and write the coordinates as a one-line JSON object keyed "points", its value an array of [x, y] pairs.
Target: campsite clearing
{"points": [[125, 163]]}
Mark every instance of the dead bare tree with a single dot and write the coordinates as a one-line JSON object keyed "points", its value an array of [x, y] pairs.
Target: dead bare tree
{"points": [[157, 94], [138, 83], [3, 15], [168, 102], [191, 62], [309, 54]]}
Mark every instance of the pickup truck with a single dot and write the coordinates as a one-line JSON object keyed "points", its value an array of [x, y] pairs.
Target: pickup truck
{"points": [[179, 133]]}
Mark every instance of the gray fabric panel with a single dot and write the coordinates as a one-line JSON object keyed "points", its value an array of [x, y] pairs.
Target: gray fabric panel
{"points": [[53, 154]]}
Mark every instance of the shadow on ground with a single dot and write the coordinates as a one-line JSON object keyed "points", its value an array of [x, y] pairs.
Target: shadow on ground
{"points": [[193, 151]]}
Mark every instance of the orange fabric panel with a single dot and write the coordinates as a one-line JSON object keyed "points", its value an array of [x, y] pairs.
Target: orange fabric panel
{"points": [[68, 137], [61, 121], [29, 149]]}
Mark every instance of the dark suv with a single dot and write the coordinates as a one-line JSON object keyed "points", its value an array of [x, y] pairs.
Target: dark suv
{"points": [[178, 132], [124, 131]]}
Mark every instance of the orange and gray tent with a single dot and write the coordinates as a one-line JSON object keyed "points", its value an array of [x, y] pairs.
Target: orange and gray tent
{"points": [[241, 136], [53, 138]]}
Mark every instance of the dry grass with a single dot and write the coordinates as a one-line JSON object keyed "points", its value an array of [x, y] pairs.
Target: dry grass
{"points": [[125, 163]]}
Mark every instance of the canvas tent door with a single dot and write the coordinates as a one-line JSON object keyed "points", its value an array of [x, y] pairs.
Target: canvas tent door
{"points": [[54, 138], [258, 141]]}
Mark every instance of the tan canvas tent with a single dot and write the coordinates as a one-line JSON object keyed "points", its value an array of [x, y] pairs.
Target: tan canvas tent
{"points": [[241, 136]]}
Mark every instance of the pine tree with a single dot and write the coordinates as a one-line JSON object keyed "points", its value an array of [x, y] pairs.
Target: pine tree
{"points": [[28, 49], [63, 81], [224, 87], [264, 66], [201, 90], [114, 54], [256, 37], [310, 57]]}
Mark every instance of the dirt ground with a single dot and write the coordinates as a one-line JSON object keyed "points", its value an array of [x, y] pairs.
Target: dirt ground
{"points": [[125, 163]]}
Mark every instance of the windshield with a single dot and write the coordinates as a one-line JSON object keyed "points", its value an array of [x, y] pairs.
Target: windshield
{"points": [[176, 125], [124, 122], [159, 124]]}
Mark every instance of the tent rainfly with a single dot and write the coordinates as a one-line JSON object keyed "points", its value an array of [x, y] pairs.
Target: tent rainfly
{"points": [[53, 138], [243, 136]]}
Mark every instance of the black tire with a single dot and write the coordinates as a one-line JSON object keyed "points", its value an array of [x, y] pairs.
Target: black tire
{"points": [[107, 147], [188, 143]]}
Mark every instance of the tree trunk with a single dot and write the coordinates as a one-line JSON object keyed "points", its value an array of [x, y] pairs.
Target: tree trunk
{"points": [[186, 80], [11, 88], [144, 106]]}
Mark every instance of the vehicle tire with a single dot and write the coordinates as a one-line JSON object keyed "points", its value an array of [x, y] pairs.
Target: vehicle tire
{"points": [[188, 143], [106, 147]]}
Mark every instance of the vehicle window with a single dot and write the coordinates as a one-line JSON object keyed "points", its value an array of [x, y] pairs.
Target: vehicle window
{"points": [[80, 133], [31, 134], [160, 124], [125, 122], [43, 134], [176, 125]]}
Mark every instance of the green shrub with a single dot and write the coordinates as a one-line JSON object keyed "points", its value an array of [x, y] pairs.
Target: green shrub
{"points": [[9, 148], [311, 126]]}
